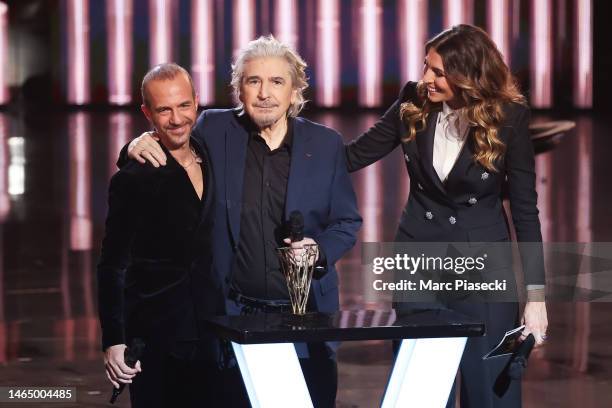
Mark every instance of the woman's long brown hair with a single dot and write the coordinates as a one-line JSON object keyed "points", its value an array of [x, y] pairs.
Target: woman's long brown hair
{"points": [[479, 78]]}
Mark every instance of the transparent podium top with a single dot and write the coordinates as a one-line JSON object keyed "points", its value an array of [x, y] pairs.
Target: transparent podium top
{"points": [[344, 326]]}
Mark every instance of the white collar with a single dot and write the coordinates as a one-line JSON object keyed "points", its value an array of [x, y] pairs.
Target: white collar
{"points": [[461, 121], [447, 110]]}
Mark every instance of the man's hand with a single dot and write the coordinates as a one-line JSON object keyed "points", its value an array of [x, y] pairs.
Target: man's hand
{"points": [[145, 148], [535, 320], [116, 369], [298, 247]]}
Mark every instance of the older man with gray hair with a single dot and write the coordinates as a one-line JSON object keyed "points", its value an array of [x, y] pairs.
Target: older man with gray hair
{"points": [[268, 162]]}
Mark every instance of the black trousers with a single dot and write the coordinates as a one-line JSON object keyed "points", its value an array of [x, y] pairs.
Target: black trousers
{"points": [[321, 374], [175, 379], [484, 383]]}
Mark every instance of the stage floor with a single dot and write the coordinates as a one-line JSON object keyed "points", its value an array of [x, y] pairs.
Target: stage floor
{"points": [[54, 173]]}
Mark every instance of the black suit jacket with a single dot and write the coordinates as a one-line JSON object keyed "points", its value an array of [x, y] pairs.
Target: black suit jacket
{"points": [[468, 207], [154, 273]]}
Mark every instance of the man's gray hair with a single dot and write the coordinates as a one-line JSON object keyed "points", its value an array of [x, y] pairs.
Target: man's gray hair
{"points": [[269, 46], [163, 72]]}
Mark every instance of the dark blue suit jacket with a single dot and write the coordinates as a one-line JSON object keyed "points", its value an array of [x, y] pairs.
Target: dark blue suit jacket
{"points": [[319, 187]]}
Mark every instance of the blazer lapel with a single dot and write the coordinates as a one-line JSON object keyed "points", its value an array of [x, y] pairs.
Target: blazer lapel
{"points": [[301, 159], [236, 140], [207, 180], [425, 142], [464, 160]]}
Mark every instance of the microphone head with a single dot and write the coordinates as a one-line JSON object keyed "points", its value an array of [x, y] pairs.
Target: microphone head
{"points": [[518, 362], [131, 355], [296, 218], [516, 368], [296, 226], [138, 346], [134, 352]]}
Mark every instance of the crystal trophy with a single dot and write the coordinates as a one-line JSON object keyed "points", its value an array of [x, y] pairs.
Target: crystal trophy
{"points": [[297, 266]]}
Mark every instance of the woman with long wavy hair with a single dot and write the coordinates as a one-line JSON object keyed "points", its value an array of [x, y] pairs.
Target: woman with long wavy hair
{"points": [[463, 131]]}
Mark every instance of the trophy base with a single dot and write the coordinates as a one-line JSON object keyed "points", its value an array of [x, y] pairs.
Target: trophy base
{"points": [[304, 320]]}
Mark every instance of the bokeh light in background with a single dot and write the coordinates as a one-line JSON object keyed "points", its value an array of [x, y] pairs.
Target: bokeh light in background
{"points": [[359, 52], [4, 96]]}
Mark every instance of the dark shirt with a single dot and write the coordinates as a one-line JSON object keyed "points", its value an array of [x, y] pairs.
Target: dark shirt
{"points": [[256, 270]]}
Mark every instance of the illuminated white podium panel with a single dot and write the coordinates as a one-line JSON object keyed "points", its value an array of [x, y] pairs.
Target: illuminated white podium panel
{"points": [[423, 372]]}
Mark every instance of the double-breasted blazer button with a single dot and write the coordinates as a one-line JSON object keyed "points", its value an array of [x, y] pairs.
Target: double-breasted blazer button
{"points": [[472, 200], [428, 215], [452, 220], [484, 175], [407, 157]]}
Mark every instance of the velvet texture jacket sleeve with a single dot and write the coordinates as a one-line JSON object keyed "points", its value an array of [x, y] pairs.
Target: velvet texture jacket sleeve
{"points": [[121, 224]]}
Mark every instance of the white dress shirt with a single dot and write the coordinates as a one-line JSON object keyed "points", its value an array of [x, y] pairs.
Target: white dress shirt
{"points": [[450, 134]]}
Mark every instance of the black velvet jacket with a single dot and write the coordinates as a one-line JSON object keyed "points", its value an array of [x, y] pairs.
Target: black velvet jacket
{"points": [[154, 273]]}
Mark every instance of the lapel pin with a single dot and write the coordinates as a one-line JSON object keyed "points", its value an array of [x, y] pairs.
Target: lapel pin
{"points": [[484, 175]]}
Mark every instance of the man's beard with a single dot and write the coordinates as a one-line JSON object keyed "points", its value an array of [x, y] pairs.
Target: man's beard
{"points": [[177, 140], [188, 125], [264, 121]]}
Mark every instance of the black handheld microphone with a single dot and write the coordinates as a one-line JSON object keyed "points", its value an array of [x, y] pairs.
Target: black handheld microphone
{"points": [[296, 226], [519, 359], [131, 355]]}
